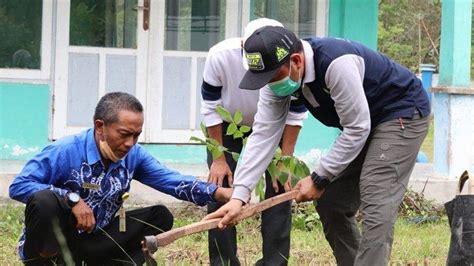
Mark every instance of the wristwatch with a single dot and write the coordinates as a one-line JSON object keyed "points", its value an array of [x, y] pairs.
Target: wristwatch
{"points": [[320, 182], [72, 198]]}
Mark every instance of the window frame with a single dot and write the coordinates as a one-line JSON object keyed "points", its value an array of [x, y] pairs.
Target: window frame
{"points": [[45, 46]]}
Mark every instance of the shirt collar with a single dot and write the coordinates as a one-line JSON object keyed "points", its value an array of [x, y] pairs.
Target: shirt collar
{"points": [[309, 70], [122, 161], [93, 155]]}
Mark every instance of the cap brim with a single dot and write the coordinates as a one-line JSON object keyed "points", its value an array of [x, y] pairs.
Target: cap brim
{"points": [[255, 81]]}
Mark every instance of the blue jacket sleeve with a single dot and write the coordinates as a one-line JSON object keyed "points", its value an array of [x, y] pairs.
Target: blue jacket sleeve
{"points": [[39, 173], [150, 172]]}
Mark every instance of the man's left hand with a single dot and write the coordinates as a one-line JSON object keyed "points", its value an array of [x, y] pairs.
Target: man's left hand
{"points": [[275, 183], [223, 194], [287, 186], [307, 190]]}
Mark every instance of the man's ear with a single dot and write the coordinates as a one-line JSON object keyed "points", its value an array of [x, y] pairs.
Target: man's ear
{"points": [[297, 59], [99, 129]]}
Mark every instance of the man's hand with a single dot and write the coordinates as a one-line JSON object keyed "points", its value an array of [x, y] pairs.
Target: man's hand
{"points": [[287, 186], [223, 194], [219, 170], [84, 216], [307, 190], [229, 213]]}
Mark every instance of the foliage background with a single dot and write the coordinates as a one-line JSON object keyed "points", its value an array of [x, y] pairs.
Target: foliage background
{"points": [[409, 31]]}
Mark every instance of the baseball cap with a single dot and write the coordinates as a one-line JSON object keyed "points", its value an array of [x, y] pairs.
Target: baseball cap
{"points": [[254, 25], [266, 50]]}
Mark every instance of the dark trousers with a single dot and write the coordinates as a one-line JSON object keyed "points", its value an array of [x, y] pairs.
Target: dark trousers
{"points": [[375, 183], [275, 229], [46, 212]]}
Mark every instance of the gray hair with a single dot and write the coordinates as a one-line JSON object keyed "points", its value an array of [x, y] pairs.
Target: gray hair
{"points": [[112, 103]]}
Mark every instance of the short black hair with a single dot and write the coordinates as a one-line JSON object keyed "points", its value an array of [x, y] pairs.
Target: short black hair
{"points": [[298, 46], [112, 103]]}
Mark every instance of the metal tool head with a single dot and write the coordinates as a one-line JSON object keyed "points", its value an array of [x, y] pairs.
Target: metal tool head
{"points": [[149, 247]]}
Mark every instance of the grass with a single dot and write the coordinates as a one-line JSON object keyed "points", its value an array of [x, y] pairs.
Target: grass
{"points": [[11, 224], [428, 144], [413, 243]]}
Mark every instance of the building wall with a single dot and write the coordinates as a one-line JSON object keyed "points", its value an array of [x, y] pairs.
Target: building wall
{"points": [[24, 119], [24, 127], [348, 17], [25, 108]]}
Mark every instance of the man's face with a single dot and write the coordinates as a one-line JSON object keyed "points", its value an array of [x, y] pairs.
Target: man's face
{"points": [[297, 67], [123, 134]]}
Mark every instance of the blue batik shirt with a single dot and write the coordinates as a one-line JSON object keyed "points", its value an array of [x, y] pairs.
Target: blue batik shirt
{"points": [[73, 164]]}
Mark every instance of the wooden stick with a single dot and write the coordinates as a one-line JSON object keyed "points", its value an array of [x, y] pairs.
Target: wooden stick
{"points": [[153, 242]]}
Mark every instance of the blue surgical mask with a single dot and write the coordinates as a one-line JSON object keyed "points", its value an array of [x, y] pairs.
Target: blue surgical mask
{"points": [[286, 86]]}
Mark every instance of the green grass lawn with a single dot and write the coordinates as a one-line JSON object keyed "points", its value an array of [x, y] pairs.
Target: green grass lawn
{"points": [[413, 243], [427, 145]]}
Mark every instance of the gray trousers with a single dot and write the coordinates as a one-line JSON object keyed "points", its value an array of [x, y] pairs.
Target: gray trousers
{"points": [[375, 182]]}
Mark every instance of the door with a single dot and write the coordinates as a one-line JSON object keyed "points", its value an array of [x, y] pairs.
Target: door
{"points": [[101, 46], [182, 31]]}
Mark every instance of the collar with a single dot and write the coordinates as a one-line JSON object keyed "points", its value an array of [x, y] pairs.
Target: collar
{"points": [[122, 161], [92, 152], [93, 155], [309, 70]]}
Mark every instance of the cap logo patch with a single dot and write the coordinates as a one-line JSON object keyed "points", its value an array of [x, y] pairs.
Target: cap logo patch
{"points": [[281, 53], [254, 60]]}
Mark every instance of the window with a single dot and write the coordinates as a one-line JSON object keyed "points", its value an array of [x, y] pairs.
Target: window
{"points": [[103, 23], [298, 16], [20, 28], [194, 25], [25, 45]]}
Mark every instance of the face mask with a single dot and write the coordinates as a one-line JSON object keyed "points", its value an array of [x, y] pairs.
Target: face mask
{"points": [[285, 86], [107, 152]]}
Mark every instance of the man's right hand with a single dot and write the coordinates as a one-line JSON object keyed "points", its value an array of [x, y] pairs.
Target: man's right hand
{"points": [[229, 213], [218, 171], [84, 216]]}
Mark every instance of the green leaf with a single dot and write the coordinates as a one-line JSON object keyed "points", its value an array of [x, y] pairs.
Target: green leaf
{"points": [[213, 141], [238, 134], [292, 165], [210, 147], [222, 148], [295, 179], [244, 129], [286, 161], [204, 129], [301, 169], [273, 170], [244, 141], [216, 153], [259, 189], [224, 113], [193, 138], [231, 129], [278, 154], [238, 117], [235, 156], [283, 177], [305, 168], [298, 170]]}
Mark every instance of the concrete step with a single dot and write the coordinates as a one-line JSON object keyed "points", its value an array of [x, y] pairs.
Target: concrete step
{"points": [[423, 179]]}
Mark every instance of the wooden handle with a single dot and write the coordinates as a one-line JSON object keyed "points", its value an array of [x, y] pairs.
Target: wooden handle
{"points": [[169, 237], [163, 239]]}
